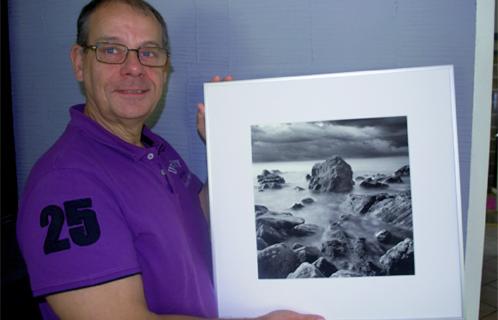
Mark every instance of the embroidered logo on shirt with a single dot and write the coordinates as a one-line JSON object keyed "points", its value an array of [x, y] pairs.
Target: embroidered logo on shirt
{"points": [[174, 166]]}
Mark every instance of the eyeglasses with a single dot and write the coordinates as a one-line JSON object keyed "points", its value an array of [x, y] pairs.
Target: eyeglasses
{"points": [[113, 53]]}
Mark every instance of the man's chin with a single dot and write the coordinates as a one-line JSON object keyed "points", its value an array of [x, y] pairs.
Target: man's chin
{"points": [[132, 113]]}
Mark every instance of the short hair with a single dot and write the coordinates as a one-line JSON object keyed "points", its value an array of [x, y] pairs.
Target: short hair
{"points": [[93, 5]]}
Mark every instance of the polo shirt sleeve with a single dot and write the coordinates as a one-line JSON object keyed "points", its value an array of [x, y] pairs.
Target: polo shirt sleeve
{"points": [[196, 185], [72, 233], [193, 183]]}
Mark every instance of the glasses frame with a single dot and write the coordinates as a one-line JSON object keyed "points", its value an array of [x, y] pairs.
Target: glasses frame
{"points": [[137, 50]]}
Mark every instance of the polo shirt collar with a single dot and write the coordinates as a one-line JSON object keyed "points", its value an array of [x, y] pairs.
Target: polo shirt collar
{"points": [[97, 132]]}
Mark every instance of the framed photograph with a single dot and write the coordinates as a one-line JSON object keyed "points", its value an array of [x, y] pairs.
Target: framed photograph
{"points": [[336, 194]]}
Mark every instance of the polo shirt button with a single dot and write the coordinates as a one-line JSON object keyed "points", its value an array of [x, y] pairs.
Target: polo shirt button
{"points": [[163, 172], [150, 156]]}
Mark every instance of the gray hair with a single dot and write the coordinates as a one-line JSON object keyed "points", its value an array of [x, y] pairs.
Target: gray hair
{"points": [[92, 6]]}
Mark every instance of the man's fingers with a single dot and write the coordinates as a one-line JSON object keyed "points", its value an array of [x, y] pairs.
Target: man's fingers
{"points": [[201, 107], [289, 315], [217, 78]]}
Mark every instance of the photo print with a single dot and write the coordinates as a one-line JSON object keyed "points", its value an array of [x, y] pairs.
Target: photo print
{"points": [[333, 199]]}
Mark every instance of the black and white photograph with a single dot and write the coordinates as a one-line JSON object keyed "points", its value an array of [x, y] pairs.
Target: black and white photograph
{"points": [[333, 199], [318, 188]]}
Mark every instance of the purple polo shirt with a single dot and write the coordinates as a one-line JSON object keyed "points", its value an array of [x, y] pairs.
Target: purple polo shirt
{"points": [[97, 209]]}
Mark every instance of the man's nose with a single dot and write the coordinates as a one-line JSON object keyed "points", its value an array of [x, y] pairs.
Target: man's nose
{"points": [[132, 65]]}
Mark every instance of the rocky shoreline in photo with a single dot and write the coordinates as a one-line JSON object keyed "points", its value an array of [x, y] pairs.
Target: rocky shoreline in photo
{"points": [[342, 249]]}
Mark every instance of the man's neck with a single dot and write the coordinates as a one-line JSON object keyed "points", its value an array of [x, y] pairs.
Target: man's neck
{"points": [[130, 132]]}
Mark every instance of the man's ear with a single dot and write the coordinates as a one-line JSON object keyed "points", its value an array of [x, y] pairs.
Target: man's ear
{"points": [[77, 61], [166, 71]]}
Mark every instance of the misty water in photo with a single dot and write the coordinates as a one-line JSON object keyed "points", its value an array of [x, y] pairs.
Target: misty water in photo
{"points": [[333, 199]]}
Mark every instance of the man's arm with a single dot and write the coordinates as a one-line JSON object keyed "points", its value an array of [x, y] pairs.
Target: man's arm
{"points": [[119, 299], [124, 299], [204, 200]]}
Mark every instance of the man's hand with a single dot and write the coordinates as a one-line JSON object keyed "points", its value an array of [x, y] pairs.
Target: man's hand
{"points": [[201, 108], [289, 315]]}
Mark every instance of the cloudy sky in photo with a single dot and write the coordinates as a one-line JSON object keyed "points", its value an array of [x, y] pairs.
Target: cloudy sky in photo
{"points": [[358, 138]]}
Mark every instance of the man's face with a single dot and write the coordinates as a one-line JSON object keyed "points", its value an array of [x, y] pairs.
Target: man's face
{"points": [[127, 93]]}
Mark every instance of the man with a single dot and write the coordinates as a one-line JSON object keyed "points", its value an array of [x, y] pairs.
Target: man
{"points": [[110, 223]]}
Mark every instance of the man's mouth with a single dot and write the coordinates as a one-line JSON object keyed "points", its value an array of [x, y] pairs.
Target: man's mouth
{"points": [[132, 91]]}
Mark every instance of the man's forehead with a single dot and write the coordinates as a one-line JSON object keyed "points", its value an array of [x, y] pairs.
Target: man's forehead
{"points": [[114, 39], [112, 20]]}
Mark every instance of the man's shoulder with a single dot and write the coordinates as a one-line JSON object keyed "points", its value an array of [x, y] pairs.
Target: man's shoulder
{"points": [[72, 150], [72, 155]]}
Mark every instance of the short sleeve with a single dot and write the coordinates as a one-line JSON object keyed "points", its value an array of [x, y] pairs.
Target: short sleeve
{"points": [[72, 233]]}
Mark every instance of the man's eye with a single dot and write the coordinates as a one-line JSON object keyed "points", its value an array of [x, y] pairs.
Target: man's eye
{"points": [[110, 50], [148, 53]]}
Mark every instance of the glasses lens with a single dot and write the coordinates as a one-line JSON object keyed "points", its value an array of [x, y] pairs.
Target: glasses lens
{"points": [[111, 53], [153, 56]]}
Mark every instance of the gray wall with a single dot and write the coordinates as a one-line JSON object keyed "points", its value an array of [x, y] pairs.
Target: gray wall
{"points": [[248, 39], [496, 18]]}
